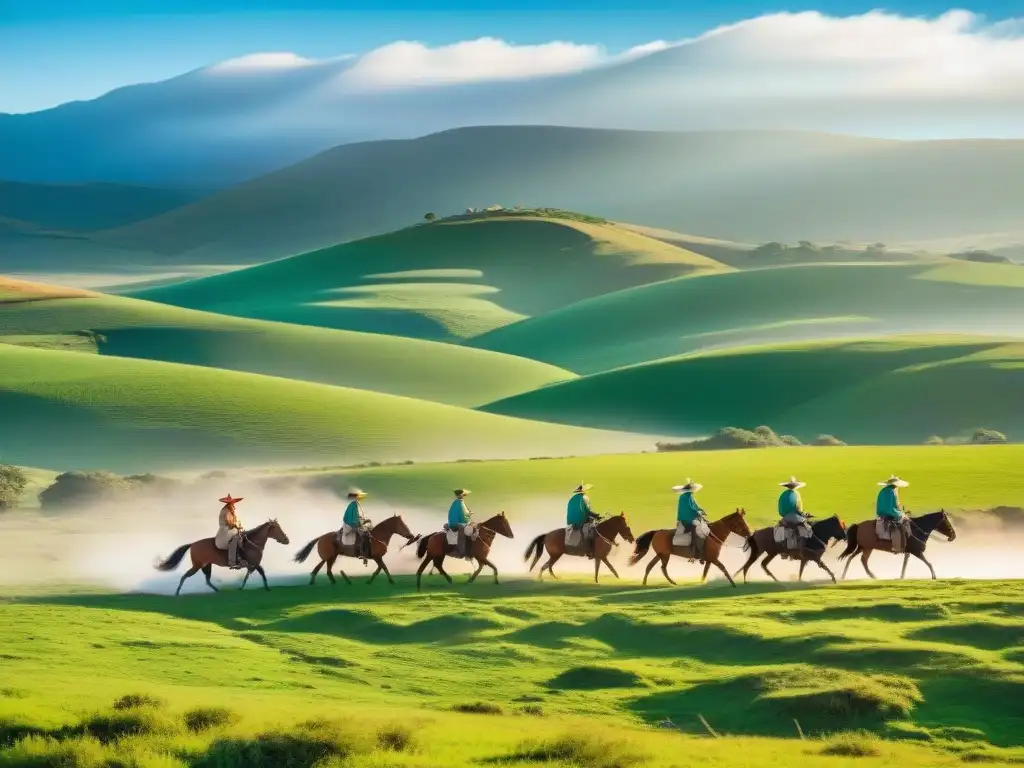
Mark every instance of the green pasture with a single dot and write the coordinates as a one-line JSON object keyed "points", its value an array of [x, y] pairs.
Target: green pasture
{"points": [[141, 329], [888, 390], [762, 306], [448, 280], [81, 411], [840, 481], [612, 676]]}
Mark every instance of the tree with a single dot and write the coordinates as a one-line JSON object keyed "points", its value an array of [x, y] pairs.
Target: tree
{"points": [[988, 437], [429, 216], [828, 440], [12, 486], [73, 488], [875, 249]]}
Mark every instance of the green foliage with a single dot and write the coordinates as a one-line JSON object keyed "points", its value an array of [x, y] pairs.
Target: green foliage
{"points": [[852, 744], [588, 750], [304, 746], [479, 708], [985, 257], [827, 440], [934, 440], [987, 437], [13, 482], [734, 438], [138, 701], [80, 488], [207, 718], [429, 216]]}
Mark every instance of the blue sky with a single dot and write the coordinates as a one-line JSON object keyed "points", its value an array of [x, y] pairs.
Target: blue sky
{"points": [[53, 51]]}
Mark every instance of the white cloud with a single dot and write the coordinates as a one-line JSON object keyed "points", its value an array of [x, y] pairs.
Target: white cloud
{"points": [[261, 62]]}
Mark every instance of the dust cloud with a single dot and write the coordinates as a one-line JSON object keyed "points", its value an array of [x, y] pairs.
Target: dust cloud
{"points": [[115, 545]]}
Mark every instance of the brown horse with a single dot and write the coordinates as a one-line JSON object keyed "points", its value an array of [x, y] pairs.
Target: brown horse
{"points": [[205, 554], [554, 542], [329, 550], [762, 542], [661, 541], [434, 548], [862, 539]]}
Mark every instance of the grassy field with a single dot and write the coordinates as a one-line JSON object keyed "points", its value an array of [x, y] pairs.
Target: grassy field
{"points": [[74, 410], [807, 389], [764, 306], [446, 280], [42, 315], [518, 674]]}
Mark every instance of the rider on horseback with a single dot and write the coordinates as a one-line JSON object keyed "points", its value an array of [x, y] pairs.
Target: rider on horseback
{"points": [[353, 523], [691, 518], [889, 509], [459, 518], [229, 531], [791, 510], [581, 518]]}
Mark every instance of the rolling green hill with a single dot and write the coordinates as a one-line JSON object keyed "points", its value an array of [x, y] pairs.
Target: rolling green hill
{"points": [[57, 317], [73, 410], [893, 390], [772, 305], [446, 280]]}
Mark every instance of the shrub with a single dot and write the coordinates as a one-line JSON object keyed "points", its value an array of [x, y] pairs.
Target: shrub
{"points": [[478, 708], [72, 488], [934, 440], [396, 738], [852, 744], [107, 727], [987, 437], [985, 257], [137, 700], [790, 441], [429, 216], [12, 486], [587, 751], [206, 718], [733, 438], [304, 746], [827, 440]]}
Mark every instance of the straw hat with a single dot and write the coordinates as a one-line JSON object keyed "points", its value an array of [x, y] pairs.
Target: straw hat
{"points": [[793, 484], [690, 486], [895, 482], [583, 488], [229, 500], [460, 492], [355, 493]]}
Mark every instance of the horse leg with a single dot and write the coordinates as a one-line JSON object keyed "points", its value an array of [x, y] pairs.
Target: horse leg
{"points": [[722, 568], [479, 567], [190, 572], [208, 572], [489, 563], [597, 568], [263, 575], [420, 570], [746, 566], [330, 571], [330, 565], [924, 560], [864, 561], [381, 567], [764, 565], [552, 559], [853, 554], [707, 567], [664, 568], [440, 568], [800, 573], [610, 566], [248, 573], [312, 576], [650, 567]]}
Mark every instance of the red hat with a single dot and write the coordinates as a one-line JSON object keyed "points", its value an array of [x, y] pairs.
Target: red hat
{"points": [[229, 500]]}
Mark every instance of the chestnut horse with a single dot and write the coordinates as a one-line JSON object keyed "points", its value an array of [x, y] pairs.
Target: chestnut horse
{"points": [[822, 532], [861, 539], [328, 549], [661, 541], [434, 548], [554, 542], [205, 554]]}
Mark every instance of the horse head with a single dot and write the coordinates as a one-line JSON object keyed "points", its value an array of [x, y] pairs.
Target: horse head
{"points": [[276, 532], [945, 526], [499, 524], [737, 523], [831, 528], [618, 526], [399, 527]]}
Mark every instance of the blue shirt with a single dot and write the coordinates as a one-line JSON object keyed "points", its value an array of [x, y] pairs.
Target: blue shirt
{"points": [[888, 504], [353, 515], [458, 513], [578, 509], [688, 509], [790, 503]]}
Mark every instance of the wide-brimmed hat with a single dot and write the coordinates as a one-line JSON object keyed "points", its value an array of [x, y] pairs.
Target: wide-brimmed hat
{"points": [[583, 488], [793, 484], [895, 482], [229, 500], [461, 491], [690, 486], [355, 493]]}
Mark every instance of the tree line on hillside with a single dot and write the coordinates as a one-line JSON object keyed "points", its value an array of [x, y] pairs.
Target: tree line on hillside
{"points": [[735, 438]]}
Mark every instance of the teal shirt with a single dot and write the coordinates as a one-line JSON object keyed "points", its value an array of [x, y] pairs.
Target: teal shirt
{"points": [[458, 513], [353, 515], [790, 503], [688, 509], [578, 509], [888, 503]]}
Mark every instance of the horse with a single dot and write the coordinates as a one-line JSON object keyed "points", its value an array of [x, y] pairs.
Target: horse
{"points": [[554, 542], [661, 540], [329, 550], [762, 542], [861, 539], [434, 548], [205, 554]]}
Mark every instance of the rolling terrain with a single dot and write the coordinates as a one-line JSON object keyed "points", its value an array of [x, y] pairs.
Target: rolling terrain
{"points": [[54, 316], [445, 280], [72, 410]]}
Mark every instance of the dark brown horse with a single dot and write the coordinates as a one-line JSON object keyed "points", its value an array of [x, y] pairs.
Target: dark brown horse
{"points": [[861, 539], [205, 554], [762, 542], [435, 548], [554, 542], [661, 541], [329, 550]]}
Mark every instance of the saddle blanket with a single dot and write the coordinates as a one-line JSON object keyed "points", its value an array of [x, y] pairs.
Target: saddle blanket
{"points": [[883, 530], [452, 535], [573, 536], [785, 535], [682, 537], [348, 536]]}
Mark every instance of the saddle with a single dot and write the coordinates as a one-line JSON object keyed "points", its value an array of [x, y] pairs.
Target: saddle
{"points": [[788, 535], [580, 541], [683, 535]]}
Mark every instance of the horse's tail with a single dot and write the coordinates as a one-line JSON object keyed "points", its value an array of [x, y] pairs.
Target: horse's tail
{"points": [[851, 541], [750, 545], [535, 548], [421, 546], [172, 562], [302, 554], [640, 549]]}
